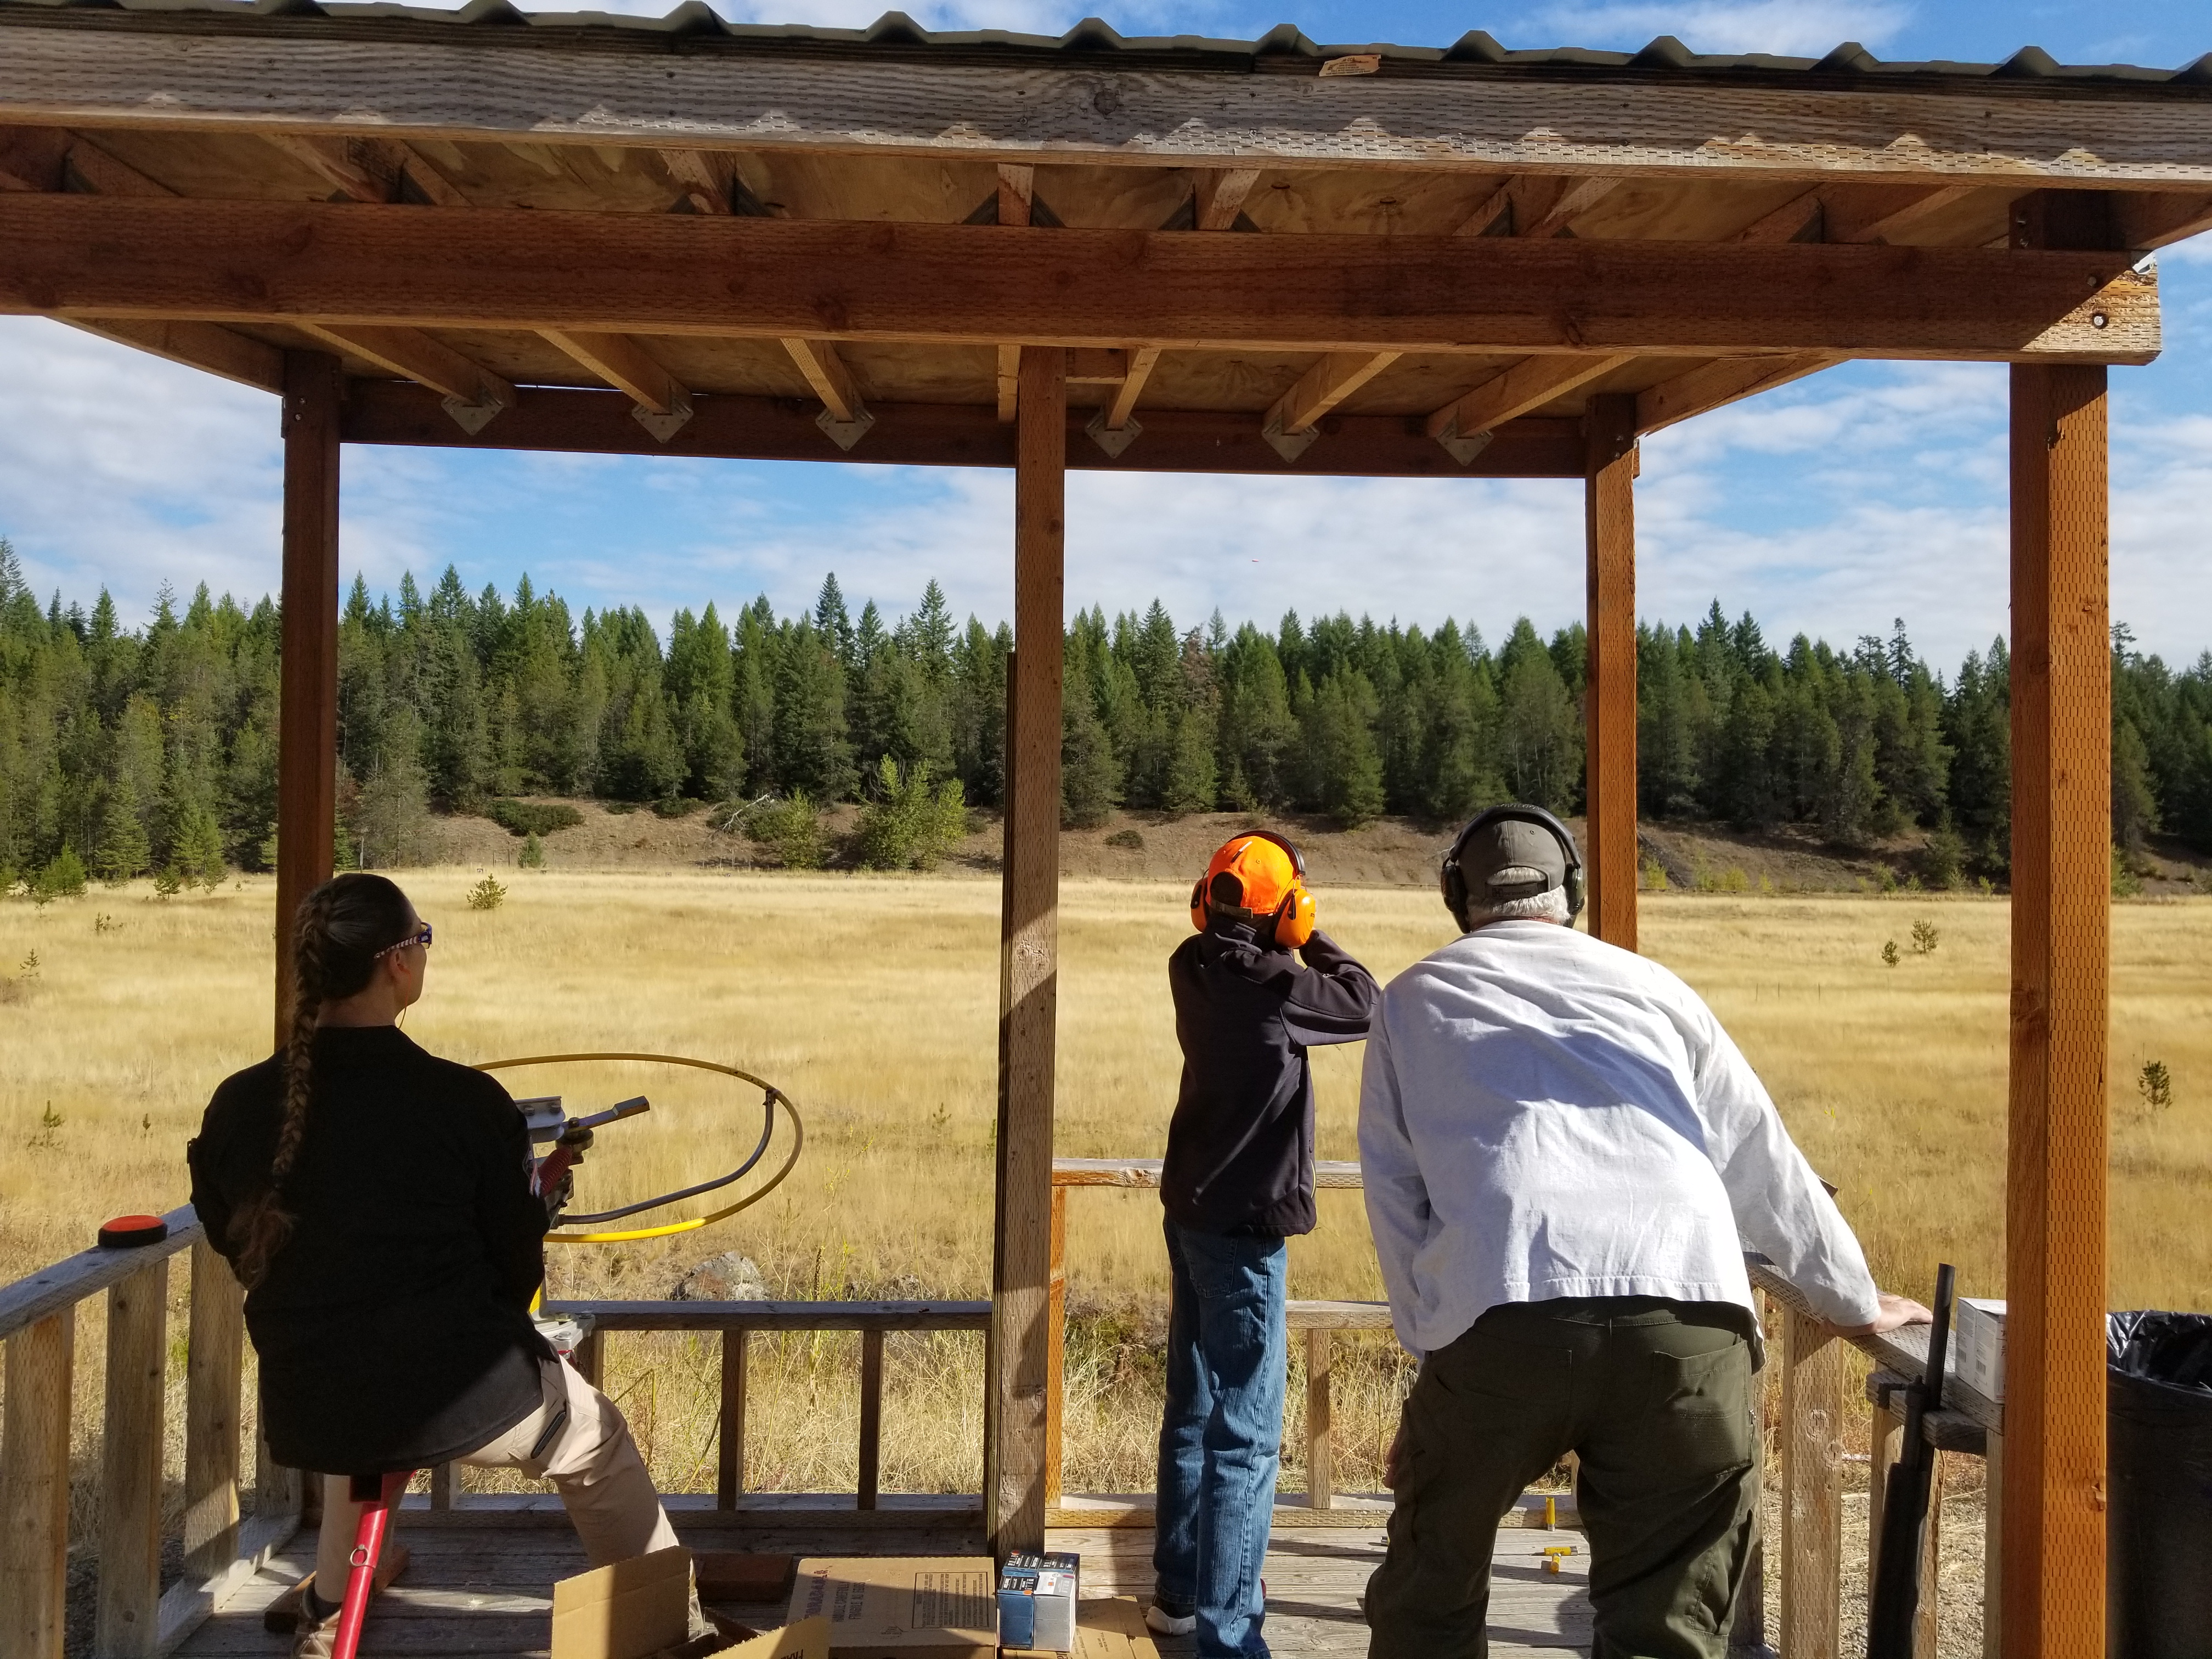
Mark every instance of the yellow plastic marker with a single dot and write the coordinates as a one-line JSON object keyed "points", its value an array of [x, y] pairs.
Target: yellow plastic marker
{"points": [[1551, 1514]]}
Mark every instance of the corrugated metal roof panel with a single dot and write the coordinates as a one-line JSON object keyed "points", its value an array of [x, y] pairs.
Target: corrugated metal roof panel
{"points": [[1285, 48]]}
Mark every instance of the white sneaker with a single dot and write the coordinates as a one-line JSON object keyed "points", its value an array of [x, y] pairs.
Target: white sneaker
{"points": [[1164, 1623]]}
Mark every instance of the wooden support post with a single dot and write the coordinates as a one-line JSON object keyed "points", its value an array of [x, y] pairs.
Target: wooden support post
{"points": [[1320, 1466], [445, 1485], [307, 748], [1609, 695], [34, 1488], [730, 1466], [130, 1465], [872, 1416], [1993, 1547], [1812, 1511], [1028, 963], [2053, 1518], [1747, 1632], [1055, 1336], [214, 1349], [589, 1358]]}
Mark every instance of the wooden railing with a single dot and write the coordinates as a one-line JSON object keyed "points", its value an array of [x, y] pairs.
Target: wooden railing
{"points": [[1813, 1379], [135, 1619]]}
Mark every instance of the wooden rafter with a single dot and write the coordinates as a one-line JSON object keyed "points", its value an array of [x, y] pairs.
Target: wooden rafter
{"points": [[1537, 205], [663, 404], [102, 174], [1010, 381], [1575, 200], [825, 371], [2154, 220], [416, 356], [1017, 193], [1849, 214], [205, 346], [1325, 386], [32, 158], [1528, 385], [603, 273], [702, 177], [1142, 361], [1218, 195], [1714, 385], [352, 166], [1797, 219]]}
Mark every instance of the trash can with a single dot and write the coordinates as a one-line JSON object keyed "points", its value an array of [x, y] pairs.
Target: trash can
{"points": [[2158, 1527]]}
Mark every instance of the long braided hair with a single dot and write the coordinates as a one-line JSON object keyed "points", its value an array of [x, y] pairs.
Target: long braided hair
{"points": [[341, 929]]}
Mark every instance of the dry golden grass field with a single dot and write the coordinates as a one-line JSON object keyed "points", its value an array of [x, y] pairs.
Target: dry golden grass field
{"points": [[872, 1001]]}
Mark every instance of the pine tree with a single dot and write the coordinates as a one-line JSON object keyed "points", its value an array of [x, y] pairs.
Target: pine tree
{"points": [[813, 752], [831, 622], [1540, 738], [1089, 776], [1344, 766], [124, 851]]}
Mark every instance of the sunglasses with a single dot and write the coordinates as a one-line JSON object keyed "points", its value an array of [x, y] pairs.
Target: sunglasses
{"points": [[422, 938]]}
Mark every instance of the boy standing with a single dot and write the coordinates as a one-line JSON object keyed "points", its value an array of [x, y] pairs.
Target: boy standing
{"points": [[1238, 1181]]}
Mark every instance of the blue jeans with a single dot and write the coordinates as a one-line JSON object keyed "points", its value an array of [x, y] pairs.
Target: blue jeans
{"points": [[1221, 1440]]}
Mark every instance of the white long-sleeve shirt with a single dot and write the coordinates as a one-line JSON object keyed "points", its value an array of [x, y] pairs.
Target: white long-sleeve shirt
{"points": [[1543, 1114]]}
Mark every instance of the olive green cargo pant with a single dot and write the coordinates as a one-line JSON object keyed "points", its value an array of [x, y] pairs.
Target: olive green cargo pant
{"points": [[1654, 1396]]}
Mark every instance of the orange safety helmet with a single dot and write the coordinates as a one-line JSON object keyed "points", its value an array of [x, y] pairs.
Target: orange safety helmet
{"points": [[1272, 880]]}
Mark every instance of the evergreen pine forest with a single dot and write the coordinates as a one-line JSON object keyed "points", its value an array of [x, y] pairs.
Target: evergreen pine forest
{"points": [[125, 750]]}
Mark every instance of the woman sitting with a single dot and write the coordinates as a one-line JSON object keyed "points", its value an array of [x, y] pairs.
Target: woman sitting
{"points": [[377, 1203]]}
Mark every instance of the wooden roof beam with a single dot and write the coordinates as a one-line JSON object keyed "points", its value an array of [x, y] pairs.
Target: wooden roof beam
{"points": [[32, 158], [208, 347], [663, 403], [653, 274], [2155, 219], [1538, 205], [1115, 426], [473, 395], [365, 169], [1852, 214], [1463, 427], [1217, 196], [844, 414], [1290, 425], [1713, 385]]}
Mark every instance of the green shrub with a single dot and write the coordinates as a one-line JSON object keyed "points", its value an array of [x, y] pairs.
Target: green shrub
{"points": [[1924, 939], [1127, 840], [2126, 882], [533, 853], [2155, 1085], [486, 895], [675, 806], [168, 884], [1889, 954], [1654, 875], [1732, 880], [63, 878], [532, 818], [910, 825], [1943, 864], [792, 829]]}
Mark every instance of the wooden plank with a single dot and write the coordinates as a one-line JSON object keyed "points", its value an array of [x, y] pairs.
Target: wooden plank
{"points": [[1610, 865], [208, 346], [1574, 202], [2148, 221], [1993, 1509], [1010, 381], [624, 364], [215, 1345], [34, 1480], [826, 372], [577, 275], [1325, 385], [189, 1603], [1029, 962], [943, 435], [1877, 216], [1055, 1336], [779, 1315], [41, 1295], [1144, 1172], [1715, 384], [1143, 359], [730, 1460], [2055, 1273], [95, 170], [125, 1626], [703, 179], [1218, 195], [1520, 390], [1338, 1316], [1812, 1511], [1320, 1465], [872, 1418], [1797, 219], [632, 91], [590, 1357], [352, 166], [308, 717], [1016, 192], [427, 361], [33, 158], [445, 1485]]}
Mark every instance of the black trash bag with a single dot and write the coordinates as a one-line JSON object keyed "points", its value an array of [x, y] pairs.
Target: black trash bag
{"points": [[2158, 1524]]}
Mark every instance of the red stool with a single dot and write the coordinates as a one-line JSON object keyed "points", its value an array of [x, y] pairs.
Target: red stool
{"points": [[376, 1494]]}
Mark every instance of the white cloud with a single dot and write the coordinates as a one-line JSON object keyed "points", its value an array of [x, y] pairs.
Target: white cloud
{"points": [[1809, 28]]}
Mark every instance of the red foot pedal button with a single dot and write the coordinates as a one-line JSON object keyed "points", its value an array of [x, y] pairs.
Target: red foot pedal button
{"points": [[125, 1231]]}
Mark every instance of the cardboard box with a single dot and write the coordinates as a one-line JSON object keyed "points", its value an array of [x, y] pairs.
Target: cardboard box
{"points": [[728, 1576], [894, 1607], [808, 1639], [1036, 1601], [1977, 1338], [1105, 1629], [628, 1611]]}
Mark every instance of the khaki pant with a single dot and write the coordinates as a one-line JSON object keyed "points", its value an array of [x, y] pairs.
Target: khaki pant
{"points": [[1654, 1396], [585, 1451]]}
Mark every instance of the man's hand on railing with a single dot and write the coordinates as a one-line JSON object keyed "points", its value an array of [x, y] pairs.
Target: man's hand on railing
{"points": [[1896, 1310]]}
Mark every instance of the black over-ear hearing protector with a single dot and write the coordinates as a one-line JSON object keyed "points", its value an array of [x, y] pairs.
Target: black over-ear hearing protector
{"points": [[1452, 882]]}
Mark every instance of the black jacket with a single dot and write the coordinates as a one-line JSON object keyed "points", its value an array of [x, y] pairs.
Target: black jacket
{"points": [[1240, 1146], [393, 1329]]}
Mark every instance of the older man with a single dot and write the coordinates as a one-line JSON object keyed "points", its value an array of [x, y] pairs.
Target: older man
{"points": [[1566, 1159]]}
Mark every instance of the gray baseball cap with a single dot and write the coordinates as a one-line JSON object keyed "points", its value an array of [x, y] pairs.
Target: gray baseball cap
{"points": [[1511, 859]]}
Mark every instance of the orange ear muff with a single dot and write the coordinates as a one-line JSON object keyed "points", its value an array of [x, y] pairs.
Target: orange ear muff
{"points": [[1294, 920], [1198, 904]]}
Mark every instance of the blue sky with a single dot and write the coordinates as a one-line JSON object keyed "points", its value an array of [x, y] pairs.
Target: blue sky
{"points": [[1872, 491]]}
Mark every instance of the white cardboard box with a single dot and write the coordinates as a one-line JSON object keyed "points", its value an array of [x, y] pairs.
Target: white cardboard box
{"points": [[1978, 1334]]}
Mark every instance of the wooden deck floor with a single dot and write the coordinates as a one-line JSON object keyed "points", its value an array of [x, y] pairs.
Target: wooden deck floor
{"points": [[484, 1588]]}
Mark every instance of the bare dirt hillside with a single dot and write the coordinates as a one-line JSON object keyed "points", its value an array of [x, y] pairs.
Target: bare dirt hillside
{"points": [[1149, 847]]}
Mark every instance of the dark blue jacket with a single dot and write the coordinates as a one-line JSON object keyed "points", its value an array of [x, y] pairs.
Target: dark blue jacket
{"points": [[1240, 1148]]}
